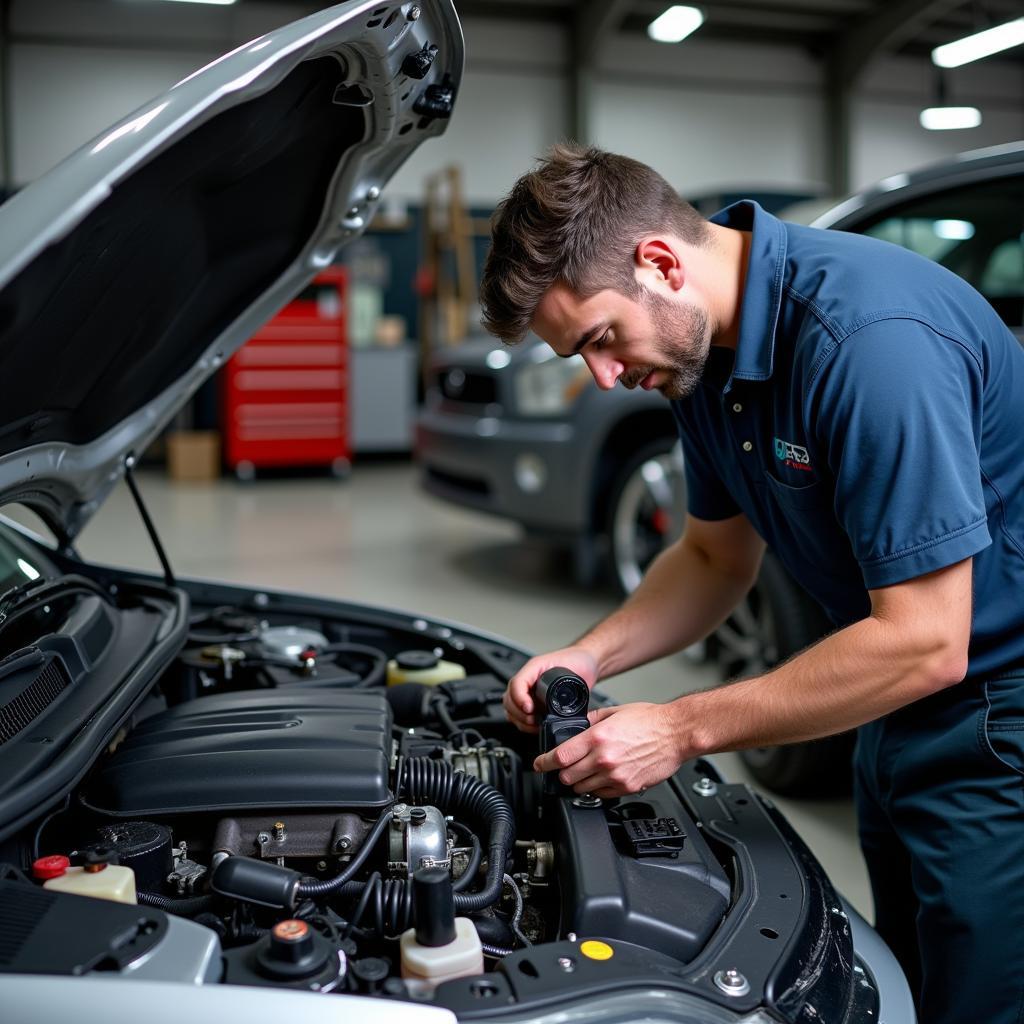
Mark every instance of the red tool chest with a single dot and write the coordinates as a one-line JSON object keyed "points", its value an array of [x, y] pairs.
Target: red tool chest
{"points": [[285, 397]]}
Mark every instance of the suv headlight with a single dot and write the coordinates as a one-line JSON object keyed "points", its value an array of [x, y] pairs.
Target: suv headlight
{"points": [[547, 385]]}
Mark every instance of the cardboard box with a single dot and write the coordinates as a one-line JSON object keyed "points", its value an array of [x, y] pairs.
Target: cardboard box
{"points": [[193, 456]]}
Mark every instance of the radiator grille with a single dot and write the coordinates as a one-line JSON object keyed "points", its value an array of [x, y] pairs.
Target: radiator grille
{"points": [[33, 700]]}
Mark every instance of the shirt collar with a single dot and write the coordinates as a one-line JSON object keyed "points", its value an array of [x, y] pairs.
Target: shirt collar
{"points": [[762, 291]]}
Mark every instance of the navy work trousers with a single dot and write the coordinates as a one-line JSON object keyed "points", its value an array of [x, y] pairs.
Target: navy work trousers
{"points": [[940, 803]]}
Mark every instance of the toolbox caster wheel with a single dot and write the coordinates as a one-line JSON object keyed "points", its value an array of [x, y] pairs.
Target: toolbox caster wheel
{"points": [[245, 471]]}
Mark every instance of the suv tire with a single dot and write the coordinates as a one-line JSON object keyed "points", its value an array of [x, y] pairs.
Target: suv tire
{"points": [[645, 509], [778, 620]]}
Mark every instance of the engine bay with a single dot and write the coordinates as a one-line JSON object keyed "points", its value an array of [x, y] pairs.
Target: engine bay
{"points": [[332, 801]]}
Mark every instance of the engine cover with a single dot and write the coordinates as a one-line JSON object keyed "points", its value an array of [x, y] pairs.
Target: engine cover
{"points": [[264, 749]]}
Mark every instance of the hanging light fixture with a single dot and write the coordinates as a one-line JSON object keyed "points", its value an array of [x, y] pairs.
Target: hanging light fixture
{"points": [[938, 119], [942, 117]]}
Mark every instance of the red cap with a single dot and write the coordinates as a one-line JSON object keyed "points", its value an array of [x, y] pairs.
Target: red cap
{"points": [[50, 867], [290, 931]]}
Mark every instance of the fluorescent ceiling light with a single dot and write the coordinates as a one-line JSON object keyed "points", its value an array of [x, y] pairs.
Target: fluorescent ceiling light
{"points": [[940, 119], [675, 24], [954, 230], [981, 44], [219, 3], [28, 570]]}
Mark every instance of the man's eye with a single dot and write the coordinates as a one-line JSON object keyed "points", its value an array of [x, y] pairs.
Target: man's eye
{"points": [[598, 343]]}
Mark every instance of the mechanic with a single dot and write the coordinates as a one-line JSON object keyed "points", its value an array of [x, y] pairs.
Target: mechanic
{"points": [[860, 409]]}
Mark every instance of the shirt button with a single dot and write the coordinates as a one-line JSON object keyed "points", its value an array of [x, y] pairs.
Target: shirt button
{"points": [[737, 407], [747, 446]]}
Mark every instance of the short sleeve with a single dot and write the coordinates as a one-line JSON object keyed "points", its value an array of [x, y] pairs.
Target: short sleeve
{"points": [[706, 494], [898, 410]]}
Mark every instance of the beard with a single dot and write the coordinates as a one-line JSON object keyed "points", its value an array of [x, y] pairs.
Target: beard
{"points": [[682, 340]]}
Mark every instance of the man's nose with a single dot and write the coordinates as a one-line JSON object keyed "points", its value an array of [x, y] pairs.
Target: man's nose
{"points": [[605, 371]]}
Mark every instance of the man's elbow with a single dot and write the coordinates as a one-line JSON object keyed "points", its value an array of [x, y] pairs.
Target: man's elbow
{"points": [[946, 664]]}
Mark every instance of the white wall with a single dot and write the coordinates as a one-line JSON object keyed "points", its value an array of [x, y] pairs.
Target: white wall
{"points": [[63, 96], [708, 116], [77, 66]]}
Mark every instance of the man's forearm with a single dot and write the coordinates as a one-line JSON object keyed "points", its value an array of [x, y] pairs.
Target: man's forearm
{"points": [[853, 676], [681, 599], [914, 642]]}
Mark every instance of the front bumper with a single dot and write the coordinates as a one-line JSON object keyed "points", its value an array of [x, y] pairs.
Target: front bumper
{"points": [[471, 461]]}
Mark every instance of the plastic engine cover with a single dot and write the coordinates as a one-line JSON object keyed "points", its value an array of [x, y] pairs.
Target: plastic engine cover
{"points": [[294, 748], [670, 901]]}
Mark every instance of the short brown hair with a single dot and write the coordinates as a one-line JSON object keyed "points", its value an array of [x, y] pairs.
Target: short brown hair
{"points": [[576, 218]]}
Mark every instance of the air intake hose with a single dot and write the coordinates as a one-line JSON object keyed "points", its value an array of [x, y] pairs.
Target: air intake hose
{"points": [[425, 781], [422, 780]]}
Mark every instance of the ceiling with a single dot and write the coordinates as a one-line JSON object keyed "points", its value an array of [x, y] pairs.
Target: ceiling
{"points": [[913, 26]]}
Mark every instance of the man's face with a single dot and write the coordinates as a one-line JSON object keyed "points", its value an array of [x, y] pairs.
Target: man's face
{"points": [[654, 341]]}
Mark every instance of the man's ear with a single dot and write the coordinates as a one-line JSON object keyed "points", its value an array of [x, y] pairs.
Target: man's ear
{"points": [[658, 257]]}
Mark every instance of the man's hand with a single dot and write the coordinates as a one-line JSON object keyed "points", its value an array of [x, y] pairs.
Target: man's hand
{"points": [[518, 698], [627, 749]]}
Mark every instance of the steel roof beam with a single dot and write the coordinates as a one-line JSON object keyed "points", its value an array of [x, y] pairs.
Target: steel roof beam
{"points": [[594, 21], [888, 29]]}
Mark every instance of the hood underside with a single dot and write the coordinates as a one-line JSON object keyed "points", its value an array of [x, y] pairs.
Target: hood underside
{"points": [[131, 271]]}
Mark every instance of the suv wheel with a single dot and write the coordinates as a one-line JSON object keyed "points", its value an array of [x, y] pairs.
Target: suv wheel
{"points": [[646, 510], [776, 621]]}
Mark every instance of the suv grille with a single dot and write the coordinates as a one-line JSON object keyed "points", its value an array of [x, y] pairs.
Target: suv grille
{"points": [[458, 385]]}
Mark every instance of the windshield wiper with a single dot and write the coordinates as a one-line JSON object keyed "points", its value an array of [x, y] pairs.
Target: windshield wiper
{"points": [[10, 599]]}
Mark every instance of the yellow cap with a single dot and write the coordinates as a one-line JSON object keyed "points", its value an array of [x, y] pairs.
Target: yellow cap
{"points": [[597, 950]]}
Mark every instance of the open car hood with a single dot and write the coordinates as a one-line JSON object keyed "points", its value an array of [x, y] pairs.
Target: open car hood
{"points": [[131, 271]]}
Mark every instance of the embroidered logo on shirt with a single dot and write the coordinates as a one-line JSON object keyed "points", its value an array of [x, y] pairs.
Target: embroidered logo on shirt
{"points": [[792, 455]]}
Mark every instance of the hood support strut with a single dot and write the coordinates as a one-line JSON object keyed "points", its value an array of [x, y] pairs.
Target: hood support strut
{"points": [[129, 479]]}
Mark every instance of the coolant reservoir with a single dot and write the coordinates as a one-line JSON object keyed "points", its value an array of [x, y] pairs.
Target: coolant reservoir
{"points": [[422, 667], [441, 946], [427, 966], [102, 881]]}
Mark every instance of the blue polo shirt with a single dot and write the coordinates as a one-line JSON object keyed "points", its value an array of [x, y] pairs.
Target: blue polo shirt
{"points": [[870, 425]]}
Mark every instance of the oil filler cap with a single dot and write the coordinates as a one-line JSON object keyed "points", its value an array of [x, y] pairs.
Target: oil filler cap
{"points": [[290, 941], [291, 951]]}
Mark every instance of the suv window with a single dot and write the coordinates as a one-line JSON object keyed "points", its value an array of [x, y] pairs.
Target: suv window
{"points": [[975, 231]]}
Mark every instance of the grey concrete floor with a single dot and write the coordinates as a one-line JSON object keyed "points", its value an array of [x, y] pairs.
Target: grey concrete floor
{"points": [[376, 539]]}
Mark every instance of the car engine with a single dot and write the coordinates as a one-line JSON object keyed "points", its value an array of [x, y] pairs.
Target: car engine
{"points": [[333, 801]]}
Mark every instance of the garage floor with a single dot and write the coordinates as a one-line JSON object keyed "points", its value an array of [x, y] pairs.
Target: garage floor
{"points": [[376, 539]]}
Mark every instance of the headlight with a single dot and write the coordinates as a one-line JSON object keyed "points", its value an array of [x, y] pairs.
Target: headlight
{"points": [[547, 385]]}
